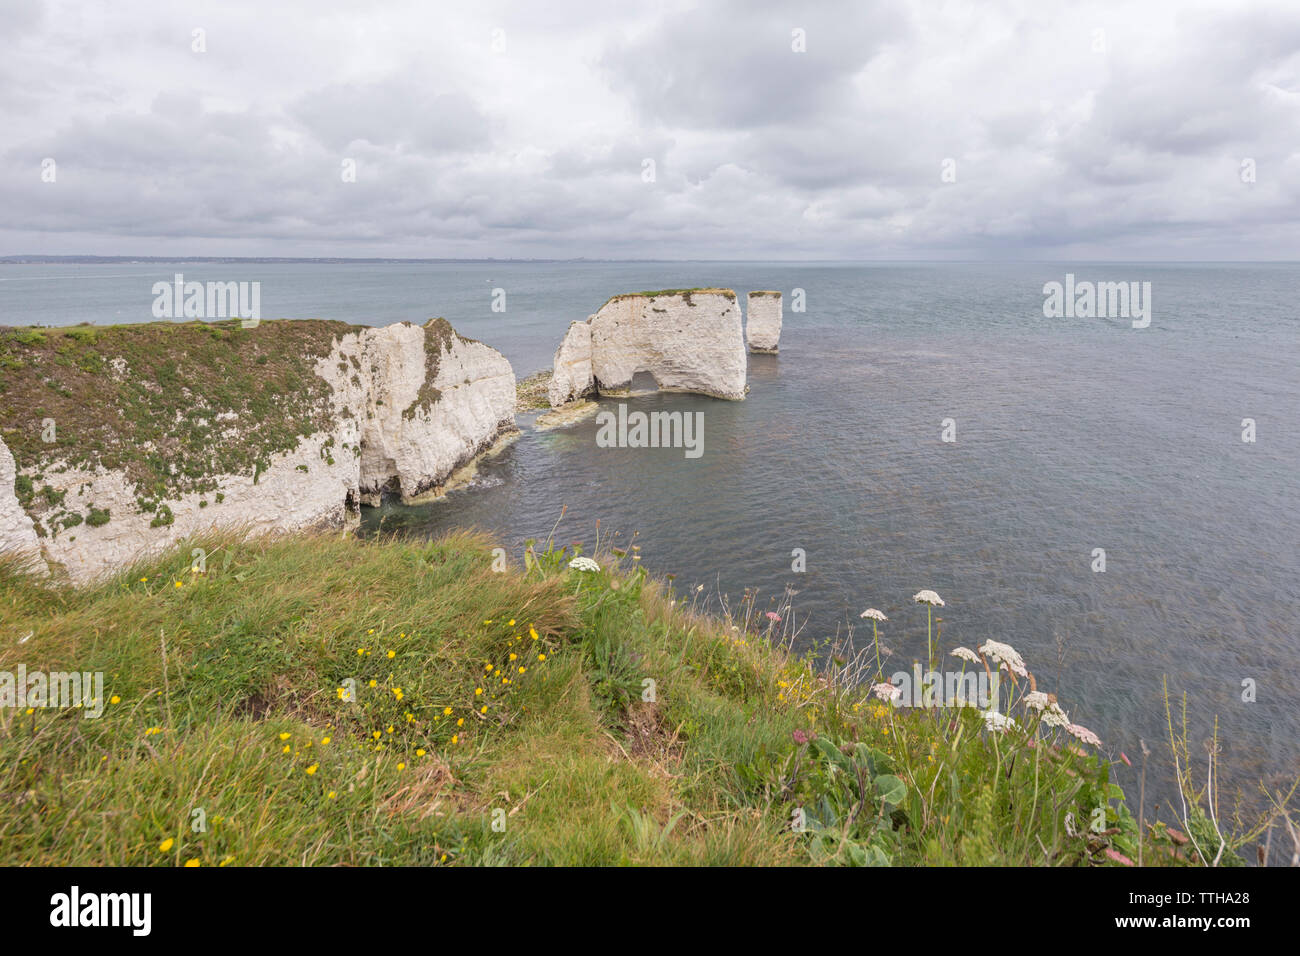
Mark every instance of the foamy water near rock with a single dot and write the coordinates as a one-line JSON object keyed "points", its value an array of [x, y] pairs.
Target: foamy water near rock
{"points": [[689, 341]]}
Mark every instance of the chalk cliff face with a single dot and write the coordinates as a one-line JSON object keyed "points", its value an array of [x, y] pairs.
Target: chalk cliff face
{"points": [[763, 323], [432, 401], [572, 378], [299, 490], [395, 409], [17, 533], [689, 341]]}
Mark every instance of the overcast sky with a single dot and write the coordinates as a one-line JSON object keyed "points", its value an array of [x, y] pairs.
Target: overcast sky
{"points": [[523, 129]]}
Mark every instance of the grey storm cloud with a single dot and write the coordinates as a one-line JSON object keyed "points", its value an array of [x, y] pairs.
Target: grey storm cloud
{"points": [[781, 130], [393, 113]]}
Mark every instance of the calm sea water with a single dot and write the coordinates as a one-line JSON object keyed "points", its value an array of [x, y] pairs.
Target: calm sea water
{"points": [[1072, 434]]}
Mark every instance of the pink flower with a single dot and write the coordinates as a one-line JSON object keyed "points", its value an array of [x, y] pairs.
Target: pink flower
{"points": [[1118, 857], [803, 736], [1083, 734], [773, 616], [887, 691]]}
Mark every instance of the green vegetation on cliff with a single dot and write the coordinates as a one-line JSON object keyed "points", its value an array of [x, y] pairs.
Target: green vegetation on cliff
{"points": [[171, 404], [320, 700], [687, 294]]}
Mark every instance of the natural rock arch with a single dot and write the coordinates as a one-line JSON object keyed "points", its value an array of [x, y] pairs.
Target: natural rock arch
{"points": [[688, 340]]}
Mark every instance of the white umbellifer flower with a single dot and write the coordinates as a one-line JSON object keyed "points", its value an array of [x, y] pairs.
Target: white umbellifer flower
{"points": [[996, 721], [1004, 654], [584, 564], [872, 613], [1053, 716], [1083, 734], [1036, 700], [928, 597], [965, 654], [887, 691]]}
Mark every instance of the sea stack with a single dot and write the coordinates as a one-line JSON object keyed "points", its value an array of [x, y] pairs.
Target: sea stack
{"points": [[763, 321], [690, 340], [572, 376]]}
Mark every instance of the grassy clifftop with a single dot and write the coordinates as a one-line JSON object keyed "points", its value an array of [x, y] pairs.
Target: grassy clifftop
{"points": [[321, 700], [687, 294], [171, 404]]}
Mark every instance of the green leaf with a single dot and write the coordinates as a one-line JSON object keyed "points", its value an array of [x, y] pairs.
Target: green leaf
{"points": [[833, 753], [892, 790], [878, 857]]}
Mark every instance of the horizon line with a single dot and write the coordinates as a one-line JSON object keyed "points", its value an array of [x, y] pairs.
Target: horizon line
{"points": [[23, 258]]}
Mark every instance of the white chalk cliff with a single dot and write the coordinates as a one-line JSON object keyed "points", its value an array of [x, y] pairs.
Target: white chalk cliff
{"points": [[572, 376], [17, 531], [409, 405], [763, 321], [689, 341], [410, 446]]}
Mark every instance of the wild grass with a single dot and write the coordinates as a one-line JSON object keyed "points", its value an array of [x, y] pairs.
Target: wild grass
{"points": [[318, 700]]}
